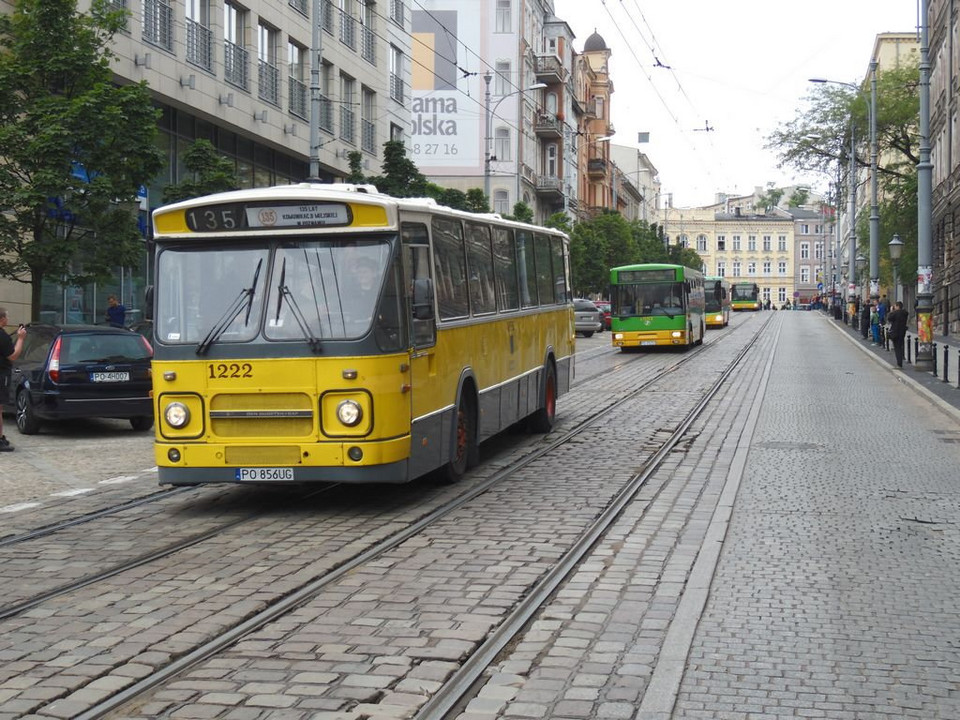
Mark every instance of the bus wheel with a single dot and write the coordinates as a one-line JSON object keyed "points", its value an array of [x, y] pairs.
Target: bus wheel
{"points": [[465, 451], [543, 419]]}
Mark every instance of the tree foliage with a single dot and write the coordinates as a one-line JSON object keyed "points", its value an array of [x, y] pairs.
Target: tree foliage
{"points": [[211, 172], [818, 140], [74, 148]]}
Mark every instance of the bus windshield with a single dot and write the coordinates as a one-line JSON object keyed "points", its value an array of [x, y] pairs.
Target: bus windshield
{"points": [[650, 299], [308, 290]]}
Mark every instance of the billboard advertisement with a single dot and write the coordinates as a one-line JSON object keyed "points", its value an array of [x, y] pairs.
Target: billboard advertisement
{"points": [[447, 87]]}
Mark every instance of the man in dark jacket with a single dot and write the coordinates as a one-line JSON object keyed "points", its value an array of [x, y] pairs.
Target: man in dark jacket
{"points": [[898, 329]]}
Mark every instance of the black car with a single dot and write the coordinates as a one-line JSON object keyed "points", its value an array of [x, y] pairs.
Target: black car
{"points": [[81, 371]]}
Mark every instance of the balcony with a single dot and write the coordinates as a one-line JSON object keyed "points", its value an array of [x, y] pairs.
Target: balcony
{"points": [[549, 189], [597, 167], [549, 69], [548, 126]]}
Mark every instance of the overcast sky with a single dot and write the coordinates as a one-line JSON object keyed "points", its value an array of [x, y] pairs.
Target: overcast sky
{"points": [[740, 68]]}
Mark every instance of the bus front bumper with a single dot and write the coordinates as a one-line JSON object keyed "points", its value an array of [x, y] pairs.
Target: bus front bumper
{"points": [[649, 338]]}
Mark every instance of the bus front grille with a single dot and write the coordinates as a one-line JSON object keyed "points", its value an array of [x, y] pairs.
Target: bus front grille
{"points": [[244, 415]]}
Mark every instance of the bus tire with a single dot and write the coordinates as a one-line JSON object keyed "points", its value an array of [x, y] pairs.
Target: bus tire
{"points": [[543, 419], [465, 452]]}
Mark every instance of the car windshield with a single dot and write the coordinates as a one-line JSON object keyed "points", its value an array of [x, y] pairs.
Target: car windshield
{"points": [[308, 290]]}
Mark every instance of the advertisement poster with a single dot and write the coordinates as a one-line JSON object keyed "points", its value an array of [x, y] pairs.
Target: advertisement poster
{"points": [[446, 117]]}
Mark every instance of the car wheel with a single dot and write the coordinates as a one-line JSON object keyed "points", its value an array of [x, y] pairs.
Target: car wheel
{"points": [[27, 422], [588, 333], [142, 423]]}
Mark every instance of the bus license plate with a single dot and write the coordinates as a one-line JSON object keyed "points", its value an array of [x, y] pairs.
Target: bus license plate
{"points": [[648, 342], [110, 377], [264, 474]]}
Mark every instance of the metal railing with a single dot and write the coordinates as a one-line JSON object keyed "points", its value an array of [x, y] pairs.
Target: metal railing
{"points": [[348, 30], [397, 87], [297, 100], [347, 119], [158, 24], [268, 82], [368, 45], [199, 45], [326, 114], [235, 65], [368, 136]]}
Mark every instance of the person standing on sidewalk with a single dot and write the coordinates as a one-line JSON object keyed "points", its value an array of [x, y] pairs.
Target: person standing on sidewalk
{"points": [[875, 324], [898, 330], [9, 351]]}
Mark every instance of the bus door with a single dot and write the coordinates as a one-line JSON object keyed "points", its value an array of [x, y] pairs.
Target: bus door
{"points": [[426, 432]]}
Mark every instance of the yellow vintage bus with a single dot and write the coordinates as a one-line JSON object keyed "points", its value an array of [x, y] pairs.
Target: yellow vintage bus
{"points": [[317, 332]]}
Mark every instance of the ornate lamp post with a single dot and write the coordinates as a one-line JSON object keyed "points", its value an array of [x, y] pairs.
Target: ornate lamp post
{"points": [[895, 247], [488, 156]]}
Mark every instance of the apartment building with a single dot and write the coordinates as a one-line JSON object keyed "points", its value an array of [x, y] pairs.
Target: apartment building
{"points": [[741, 244], [241, 76]]}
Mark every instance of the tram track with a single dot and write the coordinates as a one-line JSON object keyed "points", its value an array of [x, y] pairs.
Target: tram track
{"points": [[129, 697]]}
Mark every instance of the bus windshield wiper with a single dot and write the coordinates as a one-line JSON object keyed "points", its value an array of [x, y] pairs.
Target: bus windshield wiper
{"points": [[284, 292], [243, 300]]}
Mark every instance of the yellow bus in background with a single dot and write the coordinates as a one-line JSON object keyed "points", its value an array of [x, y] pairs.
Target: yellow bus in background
{"points": [[716, 311], [315, 332]]}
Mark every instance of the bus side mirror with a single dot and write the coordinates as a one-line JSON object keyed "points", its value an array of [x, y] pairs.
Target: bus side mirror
{"points": [[148, 303], [423, 299]]}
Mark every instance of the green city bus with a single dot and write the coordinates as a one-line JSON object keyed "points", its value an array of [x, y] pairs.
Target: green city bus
{"points": [[745, 296], [717, 297], [655, 305]]}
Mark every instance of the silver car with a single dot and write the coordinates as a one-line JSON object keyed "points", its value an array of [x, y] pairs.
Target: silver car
{"points": [[587, 318]]}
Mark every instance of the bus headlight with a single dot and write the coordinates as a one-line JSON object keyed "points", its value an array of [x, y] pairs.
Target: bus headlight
{"points": [[618, 336], [676, 334], [176, 414], [349, 413]]}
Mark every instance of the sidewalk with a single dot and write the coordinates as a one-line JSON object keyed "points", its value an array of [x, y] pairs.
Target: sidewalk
{"points": [[940, 387]]}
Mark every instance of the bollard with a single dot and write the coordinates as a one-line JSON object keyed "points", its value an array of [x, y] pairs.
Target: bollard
{"points": [[946, 363], [934, 358], [907, 344]]}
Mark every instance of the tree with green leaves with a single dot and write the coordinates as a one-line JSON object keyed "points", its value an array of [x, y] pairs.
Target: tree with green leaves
{"points": [[355, 163], [400, 177], [74, 148], [210, 170], [818, 140], [477, 201], [521, 212]]}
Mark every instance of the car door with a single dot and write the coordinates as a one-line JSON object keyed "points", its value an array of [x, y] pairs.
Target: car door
{"points": [[29, 367]]}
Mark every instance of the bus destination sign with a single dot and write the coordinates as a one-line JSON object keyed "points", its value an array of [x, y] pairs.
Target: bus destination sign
{"points": [[240, 216], [637, 276]]}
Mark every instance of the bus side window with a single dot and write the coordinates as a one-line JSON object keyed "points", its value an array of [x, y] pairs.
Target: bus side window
{"points": [[420, 289]]}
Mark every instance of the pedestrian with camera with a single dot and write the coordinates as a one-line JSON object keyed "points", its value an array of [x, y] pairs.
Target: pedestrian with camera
{"points": [[9, 351]]}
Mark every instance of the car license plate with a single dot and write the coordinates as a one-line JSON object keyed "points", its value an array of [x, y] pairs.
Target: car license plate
{"points": [[110, 377], [648, 342], [264, 474]]}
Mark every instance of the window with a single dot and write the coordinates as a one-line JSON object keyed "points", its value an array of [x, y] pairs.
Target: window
{"points": [[684, 241], [751, 243], [751, 268], [736, 268], [818, 251], [158, 24], [721, 243], [483, 299], [501, 78], [805, 274], [782, 268], [297, 80], [804, 251], [503, 21], [268, 71], [368, 40], [736, 243], [368, 113], [721, 268], [781, 294], [804, 229], [347, 115], [348, 25], [766, 294], [396, 11], [818, 229], [501, 202], [396, 74], [598, 105], [199, 34], [782, 243], [326, 106], [701, 243], [767, 241], [396, 132], [505, 267], [551, 168], [450, 269], [234, 55], [766, 268], [501, 143]]}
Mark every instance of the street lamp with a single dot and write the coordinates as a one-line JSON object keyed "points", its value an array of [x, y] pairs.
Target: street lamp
{"points": [[895, 246], [874, 207], [487, 155]]}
